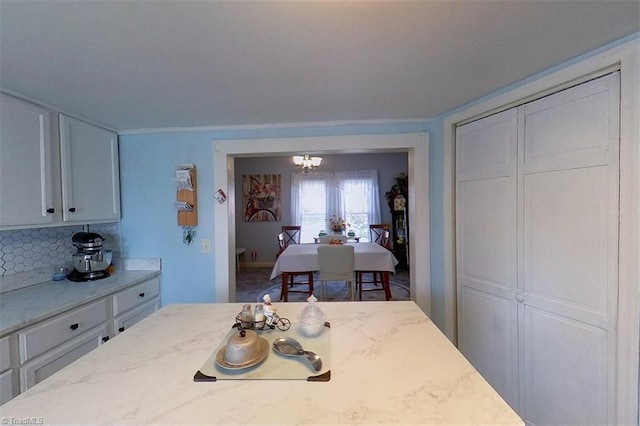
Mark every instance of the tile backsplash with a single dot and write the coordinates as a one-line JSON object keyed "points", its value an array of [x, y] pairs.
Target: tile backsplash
{"points": [[31, 249]]}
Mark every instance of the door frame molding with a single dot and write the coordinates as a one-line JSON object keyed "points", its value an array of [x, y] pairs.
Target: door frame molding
{"points": [[416, 145], [626, 59]]}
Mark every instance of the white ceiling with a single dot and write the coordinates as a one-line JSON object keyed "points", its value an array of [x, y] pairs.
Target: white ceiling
{"points": [[157, 64]]}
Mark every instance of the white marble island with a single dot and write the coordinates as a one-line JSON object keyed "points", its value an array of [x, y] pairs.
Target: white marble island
{"points": [[389, 364]]}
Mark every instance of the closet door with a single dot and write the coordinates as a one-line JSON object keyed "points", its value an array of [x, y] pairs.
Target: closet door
{"points": [[486, 241], [568, 246]]}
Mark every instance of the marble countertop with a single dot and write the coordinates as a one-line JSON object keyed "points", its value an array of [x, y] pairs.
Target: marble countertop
{"points": [[25, 306], [389, 364]]}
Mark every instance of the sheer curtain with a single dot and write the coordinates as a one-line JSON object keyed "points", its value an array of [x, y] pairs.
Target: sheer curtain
{"points": [[352, 195]]}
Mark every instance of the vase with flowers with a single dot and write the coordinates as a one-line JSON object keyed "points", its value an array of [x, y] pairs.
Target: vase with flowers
{"points": [[337, 224]]}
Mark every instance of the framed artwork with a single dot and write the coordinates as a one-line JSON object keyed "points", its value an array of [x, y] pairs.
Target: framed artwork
{"points": [[261, 198]]}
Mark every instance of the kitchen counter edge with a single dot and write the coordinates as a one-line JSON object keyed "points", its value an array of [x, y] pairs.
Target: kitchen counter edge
{"points": [[26, 306]]}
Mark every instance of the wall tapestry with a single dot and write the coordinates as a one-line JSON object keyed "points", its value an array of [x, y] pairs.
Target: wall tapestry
{"points": [[261, 198]]}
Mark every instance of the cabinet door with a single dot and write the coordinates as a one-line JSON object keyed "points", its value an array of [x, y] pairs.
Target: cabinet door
{"points": [[6, 386], [568, 173], [90, 174], [26, 167], [52, 332], [486, 241], [136, 315], [135, 296], [36, 371]]}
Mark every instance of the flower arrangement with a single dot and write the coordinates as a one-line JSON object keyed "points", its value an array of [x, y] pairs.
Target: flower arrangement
{"points": [[337, 224], [263, 190]]}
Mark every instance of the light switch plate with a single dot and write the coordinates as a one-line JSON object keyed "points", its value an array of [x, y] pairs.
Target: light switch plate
{"points": [[205, 245]]}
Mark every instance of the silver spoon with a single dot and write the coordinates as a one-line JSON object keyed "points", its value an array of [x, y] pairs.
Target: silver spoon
{"points": [[291, 347]]}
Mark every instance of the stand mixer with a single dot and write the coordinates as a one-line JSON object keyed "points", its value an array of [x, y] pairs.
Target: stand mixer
{"points": [[89, 261]]}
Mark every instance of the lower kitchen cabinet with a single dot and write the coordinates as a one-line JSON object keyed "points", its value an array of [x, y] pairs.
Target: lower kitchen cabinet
{"points": [[6, 374], [6, 386], [35, 341], [126, 320], [36, 371], [31, 354], [135, 296]]}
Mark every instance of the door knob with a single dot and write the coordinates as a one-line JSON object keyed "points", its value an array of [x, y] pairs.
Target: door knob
{"points": [[519, 298]]}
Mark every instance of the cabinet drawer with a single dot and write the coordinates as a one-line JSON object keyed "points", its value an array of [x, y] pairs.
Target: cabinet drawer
{"points": [[37, 340], [135, 296], [6, 387], [125, 321], [36, 371], [4, 354]]}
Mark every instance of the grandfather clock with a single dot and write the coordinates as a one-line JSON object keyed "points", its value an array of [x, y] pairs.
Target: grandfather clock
{"points": [[397, 200]]}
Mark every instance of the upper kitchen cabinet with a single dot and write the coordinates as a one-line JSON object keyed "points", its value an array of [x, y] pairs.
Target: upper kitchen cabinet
{"points": [[90, 174], [54, 172], [29, 169]]}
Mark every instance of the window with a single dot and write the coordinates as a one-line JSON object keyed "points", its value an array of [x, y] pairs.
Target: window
{"points": [[352, 195]]}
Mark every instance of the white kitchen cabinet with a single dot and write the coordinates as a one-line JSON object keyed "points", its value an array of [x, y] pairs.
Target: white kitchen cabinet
{"points": [[6, 378], [90, 174], [135, 303], [39, 369], [29, 166], [537, 252], [30, 354], [36, 340], [128, 319], [54, 172], [55, 343], [135, 296]]}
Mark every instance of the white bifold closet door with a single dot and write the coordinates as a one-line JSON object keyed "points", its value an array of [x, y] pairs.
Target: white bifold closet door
{"points": [[537, 252]]}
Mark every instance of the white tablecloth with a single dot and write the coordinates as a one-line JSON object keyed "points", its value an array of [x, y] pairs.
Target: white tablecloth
{"points": [[304, 257]]}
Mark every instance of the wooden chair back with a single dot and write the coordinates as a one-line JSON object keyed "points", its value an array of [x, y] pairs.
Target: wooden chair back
{"points": [[376, 233], [291, 234], [281, 244], [384, 240]]}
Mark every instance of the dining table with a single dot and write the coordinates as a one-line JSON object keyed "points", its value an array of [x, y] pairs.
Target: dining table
{"points": [[388, 363], [304, 257]]}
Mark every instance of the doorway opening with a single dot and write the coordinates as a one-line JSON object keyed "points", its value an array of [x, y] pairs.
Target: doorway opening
{"points": [[415, 145]]}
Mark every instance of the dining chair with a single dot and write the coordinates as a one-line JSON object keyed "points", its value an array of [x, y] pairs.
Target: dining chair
{"points": [[281, 244], [291, 234], [325, 239], [289, 278], [336, 264], [377, 280], [376, 232]]}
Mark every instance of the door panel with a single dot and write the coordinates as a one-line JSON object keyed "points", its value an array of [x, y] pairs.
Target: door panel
{"points": [[565, 370], [568, 244], [486, 258], [486, 148], [570, 128], [487, 226], [565, 235], [487, 339]]}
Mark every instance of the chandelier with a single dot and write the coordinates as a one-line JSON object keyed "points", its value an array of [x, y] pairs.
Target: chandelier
{"points": [[306, 163]]}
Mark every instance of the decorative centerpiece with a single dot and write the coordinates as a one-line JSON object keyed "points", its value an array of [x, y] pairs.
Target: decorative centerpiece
{"points": [[337, 224], [263, 318]]}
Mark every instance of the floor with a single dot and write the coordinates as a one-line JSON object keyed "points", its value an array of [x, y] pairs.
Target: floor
{"points": [[253, 283]]}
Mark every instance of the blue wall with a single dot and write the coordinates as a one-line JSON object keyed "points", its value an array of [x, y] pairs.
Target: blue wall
{"points": [[149, 226]]}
